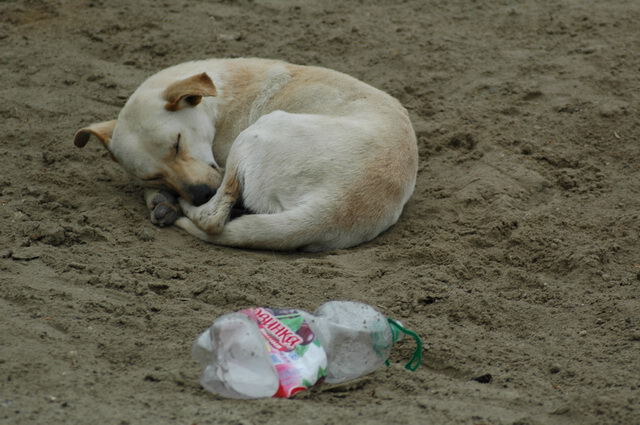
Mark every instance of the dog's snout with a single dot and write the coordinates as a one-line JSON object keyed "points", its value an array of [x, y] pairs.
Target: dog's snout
{"points": [[200, 193]]}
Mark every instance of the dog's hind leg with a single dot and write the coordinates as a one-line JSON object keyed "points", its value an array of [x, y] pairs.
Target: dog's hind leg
{"points": [[188, 226], [268, 167], [283, 231]]}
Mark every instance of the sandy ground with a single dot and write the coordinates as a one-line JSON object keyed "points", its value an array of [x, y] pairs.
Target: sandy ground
{"points": [[516, 257]]}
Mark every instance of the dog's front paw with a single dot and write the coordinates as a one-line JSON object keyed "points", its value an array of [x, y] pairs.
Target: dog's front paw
{"points": [[157, 197], [164, 214], [163, 206]]}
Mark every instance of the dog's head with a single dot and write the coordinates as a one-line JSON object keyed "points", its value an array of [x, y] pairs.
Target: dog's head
{"points": [[163, 136]]}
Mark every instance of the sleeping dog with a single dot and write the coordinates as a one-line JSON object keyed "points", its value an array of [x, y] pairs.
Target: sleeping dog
{"points": [[322, 160]]}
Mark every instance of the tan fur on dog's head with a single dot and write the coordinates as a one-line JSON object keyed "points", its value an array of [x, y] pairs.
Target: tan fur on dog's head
{"points": [[188, 92], [163, 136]]}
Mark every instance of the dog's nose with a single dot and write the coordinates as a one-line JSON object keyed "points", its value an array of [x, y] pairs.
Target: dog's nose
{"points": [[200, 193]]}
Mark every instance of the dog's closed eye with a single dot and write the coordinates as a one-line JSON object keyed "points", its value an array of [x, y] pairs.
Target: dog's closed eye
{"points": [[176, 146]]}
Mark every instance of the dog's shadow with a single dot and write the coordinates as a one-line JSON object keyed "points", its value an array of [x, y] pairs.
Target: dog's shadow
{"points": [[239, 210]]}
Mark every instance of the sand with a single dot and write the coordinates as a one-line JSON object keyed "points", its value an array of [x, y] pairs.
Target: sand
{"points": [[516, 257]]}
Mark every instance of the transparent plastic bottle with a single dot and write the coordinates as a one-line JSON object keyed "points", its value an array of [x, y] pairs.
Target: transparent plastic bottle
{"points": [[265, 352]]}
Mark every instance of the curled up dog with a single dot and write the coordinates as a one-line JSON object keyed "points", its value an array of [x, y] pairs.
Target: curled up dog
{"points": [[322, 160]]}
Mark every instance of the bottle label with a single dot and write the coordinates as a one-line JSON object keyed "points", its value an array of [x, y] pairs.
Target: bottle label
{"points": [[299, 359]]}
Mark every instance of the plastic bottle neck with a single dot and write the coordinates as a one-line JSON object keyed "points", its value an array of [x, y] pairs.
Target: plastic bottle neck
{"points": [[397, 330]]}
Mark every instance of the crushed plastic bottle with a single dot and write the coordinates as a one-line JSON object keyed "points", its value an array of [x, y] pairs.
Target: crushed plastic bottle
{"points": [[265, 352]]}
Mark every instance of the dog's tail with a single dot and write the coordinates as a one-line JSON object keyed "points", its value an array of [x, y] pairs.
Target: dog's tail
{"points": [[283, 231]]}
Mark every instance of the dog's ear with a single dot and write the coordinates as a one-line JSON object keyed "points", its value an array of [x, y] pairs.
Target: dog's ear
{"points": [[188, 92], [102, 130]]}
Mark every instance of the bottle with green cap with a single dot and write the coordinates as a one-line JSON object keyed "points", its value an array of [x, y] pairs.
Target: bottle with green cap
{"points": [[266, 352]]}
